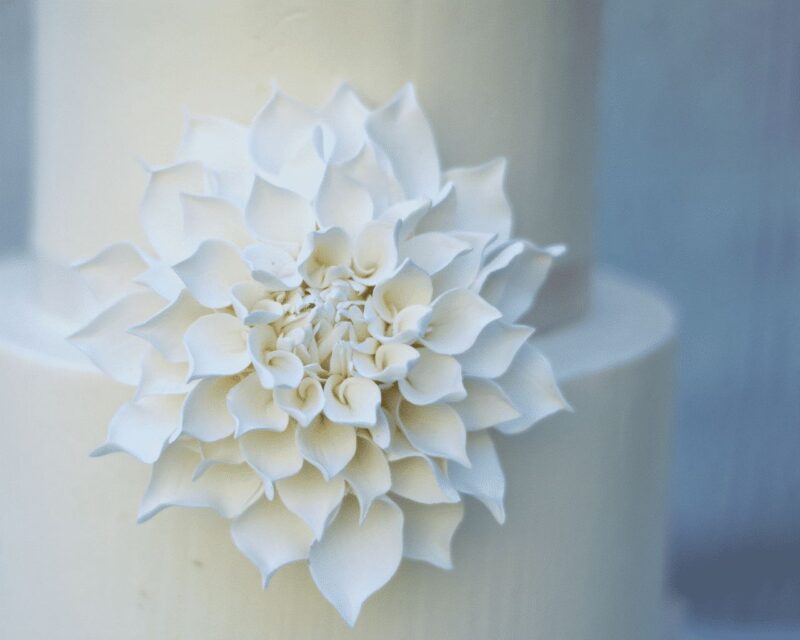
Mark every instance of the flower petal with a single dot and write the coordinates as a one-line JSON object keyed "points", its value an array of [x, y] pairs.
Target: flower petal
{"points": [[217, 346], [433, 251], [326, 256], [428, 531], [208, 217], [211, 271], [390, 362], [225, 451], [308, 495], [372, 172], [271, 536], [435, 429], [381, 432], [279, 369], [141, 427], [457, 319], [342, 202], [273, 454], [227, 489], [484, 479], [346, 115], [409, 286], [111, 274], [434, 378], [275, 214], [531, 387], [277, 132], [205, 414], [161, 279], [273, 267], [327, 445], [107, 343], [162, 377], [254, 407], [166, 329], [464, 268], [351, 401], [494, 349], [303, 403], [375, 254], [486, 405], [421, 479], [216, 143], [403, 132], [354, 559], [368, 474]]}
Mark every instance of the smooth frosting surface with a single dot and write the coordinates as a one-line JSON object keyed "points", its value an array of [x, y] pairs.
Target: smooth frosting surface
{"points": [[513, 79]]}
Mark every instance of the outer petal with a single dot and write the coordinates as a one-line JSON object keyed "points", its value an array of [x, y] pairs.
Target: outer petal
{"points": [[351, 400], [403, 132], [368, 474], [274, 455], [162, 377], [216, 143], [409, 286], [458, 318], [308, 495], [275, 214], [277, 132], [354, 559], [161, 278], [433, 251], [485, 479], [326, 255], [225, 451], [436, 430], [422, 480], [375, 255], [205, 414], [211, 271], [342, 202], [273, 267], [208, 217], [166, 329], [486, 405], [271, 536], [494, 349], [464, 268], [111, 274], [531, 387], [217, 346], [109, 345], [434, 378], [142, 427], [327, 445], [346, 115], [303, 403], [428, 531], [228, 489], [254, 407]]}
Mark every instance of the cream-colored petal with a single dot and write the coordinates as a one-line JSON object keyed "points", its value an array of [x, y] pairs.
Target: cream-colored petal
{"points": [[484, 479], [494, 349], [351, 401], [486, 405], [458, 317], [311, 497], [205, 414], [254, 407], [428, 531], [327, 445], [434, 378], [217, 346], [434, 429], [303, 403], [273, 454], [421, 479], [368, 474], [409, 286]]}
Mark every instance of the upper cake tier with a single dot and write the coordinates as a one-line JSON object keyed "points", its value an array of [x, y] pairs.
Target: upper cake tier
{"points": [[511, 78]]}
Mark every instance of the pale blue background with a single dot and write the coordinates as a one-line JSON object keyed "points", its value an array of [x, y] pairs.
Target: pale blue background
{"points": [[698, 191]]}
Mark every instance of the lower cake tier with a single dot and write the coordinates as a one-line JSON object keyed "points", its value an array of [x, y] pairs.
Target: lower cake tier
{"points": [[580, 555]]}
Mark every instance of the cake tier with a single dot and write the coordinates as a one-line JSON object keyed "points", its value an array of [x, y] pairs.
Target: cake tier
{"points": [[580, 555], [510, 78]]}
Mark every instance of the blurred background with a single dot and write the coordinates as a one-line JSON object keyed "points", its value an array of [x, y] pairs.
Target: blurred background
{"points": [[698, 191]]}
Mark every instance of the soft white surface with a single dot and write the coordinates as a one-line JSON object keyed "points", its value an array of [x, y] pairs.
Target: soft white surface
{"points": [[513, 79], [580, 555]]}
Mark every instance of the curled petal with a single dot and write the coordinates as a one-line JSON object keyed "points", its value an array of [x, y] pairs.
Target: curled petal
{"points": [[463, 269], [531, 386], [209, 217], [107, 343], [227, 489], [354, 558], [217, 346], [436, 430], [484, 479], [111, 274], [325, 257], [343, 202], [254, 407], [351, 401], [390, 362], [375, 255], [272, 267], [166, 329], [142, 427], [275, 214], [428, 531], [252, 304], [381, 432], [434, 378], [409, 286], [403, 131], [273, 454], [311, 497], [486, 405], [211, 271], [494, 349], [279, 369], [368, 474], [421, 479], [327, 445], [271, 536], [205, 414], [458, 317], [303, 403]]}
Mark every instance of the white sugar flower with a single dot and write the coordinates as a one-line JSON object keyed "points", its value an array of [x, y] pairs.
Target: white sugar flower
{"points": [[322, 333]]}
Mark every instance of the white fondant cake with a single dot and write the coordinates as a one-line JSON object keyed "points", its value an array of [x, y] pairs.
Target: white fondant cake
{"points": [[580, 555]]}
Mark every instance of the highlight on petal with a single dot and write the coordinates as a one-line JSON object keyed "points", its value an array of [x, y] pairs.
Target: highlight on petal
{"points": [[252, 304], [211, 271], [166, 329], [275, 214], [368, 474], [403, 131], [325, 257], [303, 403], [110, 275], [254, 407], [409, 286], [217, 346], [346, 115], [227, 489], [375, 254], [276, 368], [351, 400], [212, 218], [428, 531], [342, 202], [311, 497], [354, 559], [421, 479], [327, 445], [205, 414], [142, 427], [484, 479], [390, 362], [436, 430], [494, 349], [107, 343], [531, 386], [271, 536], [434, 378], [433, 251], [272, 454], [486, 405], [458, 317]]}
